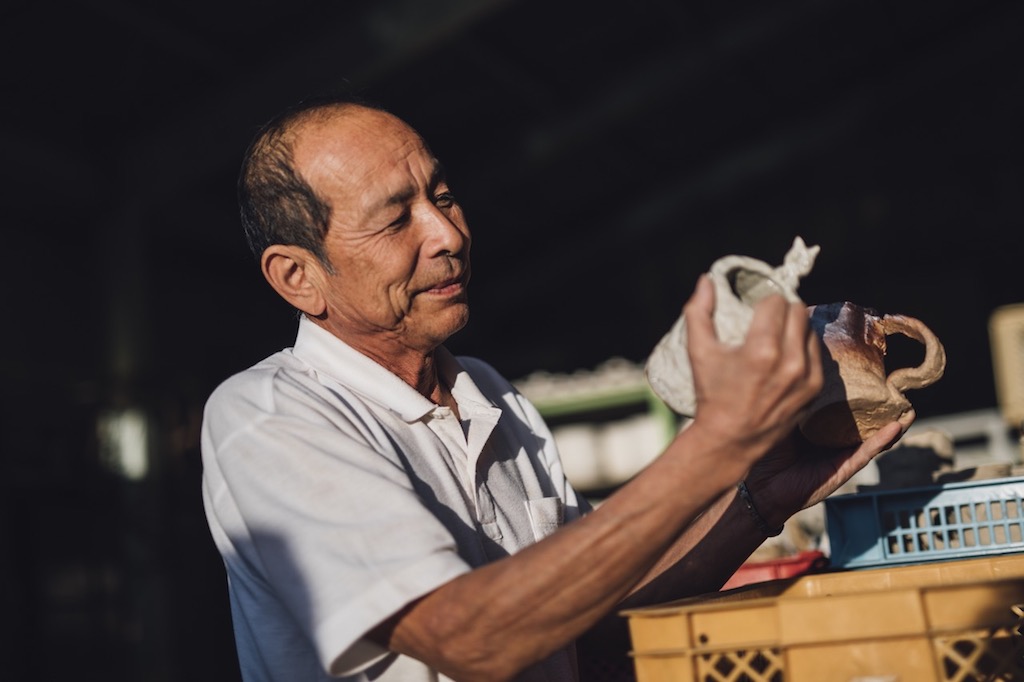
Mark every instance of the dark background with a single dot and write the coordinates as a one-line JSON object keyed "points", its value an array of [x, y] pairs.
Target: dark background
{"points": [[606, 154]]}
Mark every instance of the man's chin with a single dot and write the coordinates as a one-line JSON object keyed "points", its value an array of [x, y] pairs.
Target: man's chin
{"points": [[460, 320], [445, 323]]}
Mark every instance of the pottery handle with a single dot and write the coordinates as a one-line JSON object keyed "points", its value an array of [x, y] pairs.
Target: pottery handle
{"points": [[931, 368]]}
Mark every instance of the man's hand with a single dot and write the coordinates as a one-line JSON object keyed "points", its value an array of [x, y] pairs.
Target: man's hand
{"points": [[750, 397], [795, 474]]}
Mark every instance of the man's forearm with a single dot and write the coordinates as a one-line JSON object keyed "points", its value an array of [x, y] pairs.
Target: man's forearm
{"points": [[704, 556], [492, 622]]}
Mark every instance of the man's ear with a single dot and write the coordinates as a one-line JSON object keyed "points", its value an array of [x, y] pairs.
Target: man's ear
{"points": [[297, 275]]}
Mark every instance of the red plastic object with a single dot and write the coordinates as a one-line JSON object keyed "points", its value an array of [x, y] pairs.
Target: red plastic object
{"points": [[807, 561]]}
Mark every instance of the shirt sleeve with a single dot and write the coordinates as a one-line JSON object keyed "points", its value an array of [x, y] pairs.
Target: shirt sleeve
{"points": [[298, 495]]}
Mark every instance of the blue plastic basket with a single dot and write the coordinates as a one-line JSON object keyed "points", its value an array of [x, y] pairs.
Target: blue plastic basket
{"points": [[930, 523]]}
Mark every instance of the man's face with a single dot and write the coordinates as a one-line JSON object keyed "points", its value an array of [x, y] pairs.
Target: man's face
{"points": [[397, 241]]}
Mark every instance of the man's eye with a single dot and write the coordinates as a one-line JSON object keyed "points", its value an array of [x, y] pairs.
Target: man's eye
{"points": [[400, 221], [444, 199]]}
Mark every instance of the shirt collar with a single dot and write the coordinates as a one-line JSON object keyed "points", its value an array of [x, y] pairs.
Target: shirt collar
{"points": [[331, 356]]}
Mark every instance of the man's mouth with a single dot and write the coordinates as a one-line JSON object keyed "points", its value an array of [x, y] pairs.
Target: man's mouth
{"points": [[449, 286]]}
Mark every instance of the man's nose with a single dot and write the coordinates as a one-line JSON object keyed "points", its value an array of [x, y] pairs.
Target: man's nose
{"points": [[443, 233]]}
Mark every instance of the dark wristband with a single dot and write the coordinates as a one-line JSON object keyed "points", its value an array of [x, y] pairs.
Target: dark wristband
{"points": [[748, 501]]}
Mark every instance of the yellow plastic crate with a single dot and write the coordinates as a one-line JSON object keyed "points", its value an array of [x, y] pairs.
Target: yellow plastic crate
{"points": [[956, 621]]}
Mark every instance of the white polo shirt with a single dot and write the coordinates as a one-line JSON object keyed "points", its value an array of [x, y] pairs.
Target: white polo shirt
{"points": [[337, 494]]}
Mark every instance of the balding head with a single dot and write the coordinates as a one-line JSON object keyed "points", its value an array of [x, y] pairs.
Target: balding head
{"points": [[278, 205], [384, 262]]}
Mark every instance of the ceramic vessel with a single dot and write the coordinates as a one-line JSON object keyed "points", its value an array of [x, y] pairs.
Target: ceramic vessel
{"points": [[858, 397], [739, 282]]}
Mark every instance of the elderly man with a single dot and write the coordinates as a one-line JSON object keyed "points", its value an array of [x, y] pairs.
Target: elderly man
{"points": [[387, 511]]}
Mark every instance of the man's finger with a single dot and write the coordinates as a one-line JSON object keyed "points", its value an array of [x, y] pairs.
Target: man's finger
{"points": [[769, 321], [699, 311]]}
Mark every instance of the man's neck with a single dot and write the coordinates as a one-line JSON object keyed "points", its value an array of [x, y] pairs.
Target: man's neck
{"points": [[416, 367]]}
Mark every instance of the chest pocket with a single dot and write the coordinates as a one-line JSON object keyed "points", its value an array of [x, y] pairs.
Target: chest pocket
{"points": [[546, 516]]}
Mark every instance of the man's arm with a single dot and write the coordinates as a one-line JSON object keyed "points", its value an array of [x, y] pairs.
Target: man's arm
{"points": [[497, 620], [790, 478]]}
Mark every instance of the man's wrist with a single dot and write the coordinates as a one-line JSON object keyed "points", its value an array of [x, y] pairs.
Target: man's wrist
{"points": [[747, 500]]}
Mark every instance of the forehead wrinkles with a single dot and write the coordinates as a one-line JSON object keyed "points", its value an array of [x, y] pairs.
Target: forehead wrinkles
{"points": [[393, 179], [365, 159], [412, 167]]}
